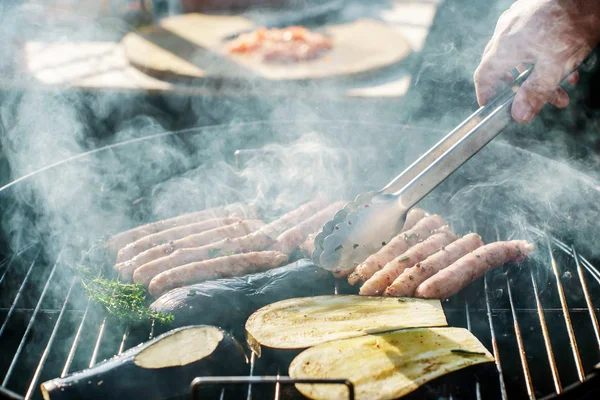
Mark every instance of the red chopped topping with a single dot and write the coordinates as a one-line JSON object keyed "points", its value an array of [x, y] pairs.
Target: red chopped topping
{"points": [[291, 44]]}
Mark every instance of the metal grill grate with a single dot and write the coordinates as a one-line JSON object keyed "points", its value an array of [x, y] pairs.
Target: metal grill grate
{"points": [[539, 320]]}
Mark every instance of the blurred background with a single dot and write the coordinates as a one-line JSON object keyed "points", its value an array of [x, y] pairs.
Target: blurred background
{"points": [[71, 59]]}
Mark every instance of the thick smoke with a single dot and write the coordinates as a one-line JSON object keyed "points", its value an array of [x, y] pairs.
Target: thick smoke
{"points": [[80, 201]]}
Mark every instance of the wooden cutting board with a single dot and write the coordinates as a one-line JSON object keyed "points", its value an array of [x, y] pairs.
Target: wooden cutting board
{"points": [[194, 46]]}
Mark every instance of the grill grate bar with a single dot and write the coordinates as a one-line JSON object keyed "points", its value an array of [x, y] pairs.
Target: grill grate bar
{"points": [[586, 264], [30, 324], [467, 315], [277, 394], [546, 336], [16, 300], [468, 319], [151, 334], [6, 271], [522, 354], [494, 340], [567, 317], [12, 259], [75, 344], [586, 294], [41, 311], [40, 367], [98, 342], [122, 345], [252, 362], [591, 269]]}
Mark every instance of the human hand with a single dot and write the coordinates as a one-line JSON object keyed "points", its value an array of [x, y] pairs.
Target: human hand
{"points": [[555, 35]]}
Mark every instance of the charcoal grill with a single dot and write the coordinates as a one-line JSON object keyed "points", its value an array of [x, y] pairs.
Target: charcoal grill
{"points": [[539, 319]]}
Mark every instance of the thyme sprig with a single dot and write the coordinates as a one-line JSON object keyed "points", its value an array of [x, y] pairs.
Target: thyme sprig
{"points": [[124, 301]]}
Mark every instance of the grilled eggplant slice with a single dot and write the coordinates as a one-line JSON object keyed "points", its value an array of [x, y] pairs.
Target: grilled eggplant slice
{"points": [[158, 369], [229, 302], [387, 365], [304, 322]]}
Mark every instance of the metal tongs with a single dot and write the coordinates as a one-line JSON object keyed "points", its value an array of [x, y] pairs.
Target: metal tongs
{"points": [[363, 226]]}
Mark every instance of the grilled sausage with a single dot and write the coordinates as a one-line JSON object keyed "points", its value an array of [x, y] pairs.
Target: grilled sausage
{"points": [[376, 285], [413, 216], [398, 245], [122, 239], [309, 244], [178, 232], [408, 281], [255, 241], [292, 218], [237, 229], [453, 279], [291, 239], [222, 267]]}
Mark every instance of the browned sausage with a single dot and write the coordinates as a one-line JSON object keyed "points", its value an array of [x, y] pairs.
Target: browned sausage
{"points": [[292, 218], [453, 279], [411, 278], [122, 239], [255, 241], [237, 229], [376, 285], [291, 239], [413, 216], [398, 245], [162, 237], [234, 265]]}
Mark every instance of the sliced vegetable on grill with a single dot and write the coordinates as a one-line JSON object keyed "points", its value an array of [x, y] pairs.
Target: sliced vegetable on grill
{"points": [[203, 303], [158, 369], [303, 322], [387, 365]]}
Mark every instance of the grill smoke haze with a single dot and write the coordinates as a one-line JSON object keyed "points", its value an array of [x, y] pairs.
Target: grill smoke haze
{"points": [[71, 206]]}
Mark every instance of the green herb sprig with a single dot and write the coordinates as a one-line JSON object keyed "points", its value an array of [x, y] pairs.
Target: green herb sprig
{"points": [[124, 301]]}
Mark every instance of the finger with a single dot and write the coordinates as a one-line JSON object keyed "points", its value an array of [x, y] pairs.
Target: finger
{"points": [[492, 69], [487, 47], [535, 91], [559, 98], [573, 78]]}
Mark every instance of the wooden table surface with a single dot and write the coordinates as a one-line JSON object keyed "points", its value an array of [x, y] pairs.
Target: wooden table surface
{"points": [[102, 65]]}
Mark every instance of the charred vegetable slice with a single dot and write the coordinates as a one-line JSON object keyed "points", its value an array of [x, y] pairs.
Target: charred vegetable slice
{"points": [[387, 365], [304, 322], [158, 369]]}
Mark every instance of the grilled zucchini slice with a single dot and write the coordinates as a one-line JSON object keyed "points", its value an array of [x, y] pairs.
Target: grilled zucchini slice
{"points": [[387, 365], [304, 322]]}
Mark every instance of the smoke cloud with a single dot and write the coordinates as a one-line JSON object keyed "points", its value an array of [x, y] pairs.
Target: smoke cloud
{"points": [[145, 174]]}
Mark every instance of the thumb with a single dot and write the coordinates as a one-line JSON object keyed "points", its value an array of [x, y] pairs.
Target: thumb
{"points": [[536, 91]]}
